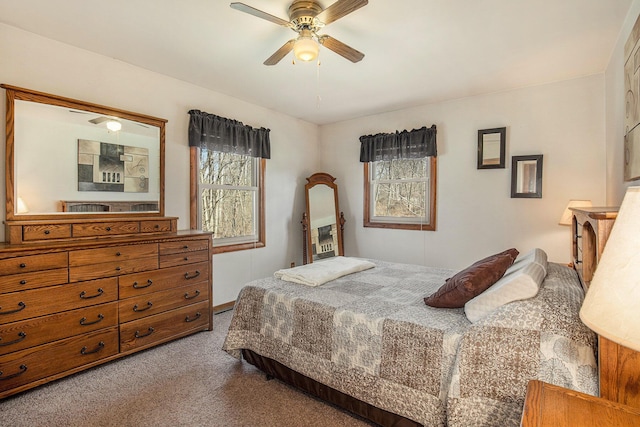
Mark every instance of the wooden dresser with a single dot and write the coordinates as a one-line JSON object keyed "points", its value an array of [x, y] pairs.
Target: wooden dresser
{"points": [[68, 305], [589, 232], [619, 366]]}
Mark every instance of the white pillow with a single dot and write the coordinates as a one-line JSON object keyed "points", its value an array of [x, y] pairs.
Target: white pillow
{"points": [[536, 255], [518, 284]]}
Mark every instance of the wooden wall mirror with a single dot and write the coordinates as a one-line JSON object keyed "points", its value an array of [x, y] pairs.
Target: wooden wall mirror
{"points": [[322, 223], [63, 162]]}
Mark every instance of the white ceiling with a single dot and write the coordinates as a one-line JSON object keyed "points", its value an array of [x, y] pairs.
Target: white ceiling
{"points": [[416, 51]]}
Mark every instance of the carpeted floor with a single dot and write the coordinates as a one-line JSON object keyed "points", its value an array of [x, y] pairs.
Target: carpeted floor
{"points": [[188, 382]]}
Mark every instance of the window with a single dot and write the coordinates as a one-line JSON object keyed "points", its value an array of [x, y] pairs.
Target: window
{"points": [[230, 199], [227, 180], [401, 193]]}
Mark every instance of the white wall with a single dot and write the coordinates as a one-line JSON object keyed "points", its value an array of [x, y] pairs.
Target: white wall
{"points": [[41, 64], [615, 113], [563, 121]]}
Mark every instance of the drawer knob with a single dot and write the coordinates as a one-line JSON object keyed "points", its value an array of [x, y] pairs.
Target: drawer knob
{"points": [[193, 276], [21, 336], [157, 226], [108, 228], [47, 232], [136, 285], [84, 295], [195, 294], [118, 253], [186, 258], [118, 268], [21, 306], [137, 310], [191, 319], [23, 369], [85, 350], [23, 282], [84, 322], [23, 265], [150, 330], [185, 247]]}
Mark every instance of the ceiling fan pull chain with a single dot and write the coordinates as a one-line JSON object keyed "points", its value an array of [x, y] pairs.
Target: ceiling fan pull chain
{"points": [[318, 97]]}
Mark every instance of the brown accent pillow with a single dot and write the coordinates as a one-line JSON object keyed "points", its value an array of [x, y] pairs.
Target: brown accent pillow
{"points": [[472, 281]]}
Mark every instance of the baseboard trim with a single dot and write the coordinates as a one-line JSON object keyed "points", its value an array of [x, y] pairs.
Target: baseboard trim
{"points": [[217, 309]]}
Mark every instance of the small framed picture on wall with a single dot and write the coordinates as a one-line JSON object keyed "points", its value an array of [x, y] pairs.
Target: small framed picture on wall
{"points": [[526, 176]]}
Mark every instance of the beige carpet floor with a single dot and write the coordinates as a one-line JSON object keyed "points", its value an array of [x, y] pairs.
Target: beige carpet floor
{"points": [[188, 382]]}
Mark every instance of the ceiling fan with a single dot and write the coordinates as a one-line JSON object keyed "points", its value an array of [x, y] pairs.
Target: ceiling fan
{"points": [[307, 17]]}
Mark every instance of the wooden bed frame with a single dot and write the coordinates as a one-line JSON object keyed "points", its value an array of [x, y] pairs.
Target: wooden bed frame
{"points": [[274, 369]]}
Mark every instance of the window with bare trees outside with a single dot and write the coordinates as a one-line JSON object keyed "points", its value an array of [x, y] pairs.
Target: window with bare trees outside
{"points": [[230, 198], [400, 179], [400, 193], [228, 161]]}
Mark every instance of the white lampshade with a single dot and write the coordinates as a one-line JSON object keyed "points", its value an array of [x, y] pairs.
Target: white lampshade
{"points": [[306, 48], [565, 219], [612, 305]]}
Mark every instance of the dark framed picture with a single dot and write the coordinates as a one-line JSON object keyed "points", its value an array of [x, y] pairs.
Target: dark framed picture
{"points": [[526, 176], [491, 148]]}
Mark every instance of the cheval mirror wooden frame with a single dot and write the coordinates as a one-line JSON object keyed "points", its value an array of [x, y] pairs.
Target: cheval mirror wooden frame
{"points": [[17, 223], [322, 217]]}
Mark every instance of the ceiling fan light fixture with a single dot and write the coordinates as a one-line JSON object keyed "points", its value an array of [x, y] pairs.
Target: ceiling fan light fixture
{"points": [[306, 48], [114, 125]]}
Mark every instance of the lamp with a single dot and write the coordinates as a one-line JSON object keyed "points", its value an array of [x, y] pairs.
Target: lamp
{"points": [[565, 219], [114, 125], [612, 305], [22, 206], [305, 47]]}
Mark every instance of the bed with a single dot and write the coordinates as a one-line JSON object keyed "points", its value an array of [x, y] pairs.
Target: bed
{"points": [[367, 342]]}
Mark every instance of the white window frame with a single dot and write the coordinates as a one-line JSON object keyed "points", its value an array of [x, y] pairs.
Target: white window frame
{"points": [[228, 244], [422, 223]]}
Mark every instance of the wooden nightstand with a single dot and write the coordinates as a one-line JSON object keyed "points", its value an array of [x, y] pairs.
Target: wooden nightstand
{"points": [[553, 406]]}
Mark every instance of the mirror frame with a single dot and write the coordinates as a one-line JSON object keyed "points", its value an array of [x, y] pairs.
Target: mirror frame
{"points": [[16, 93], [320, 178], [516, 162], [502, 132]]}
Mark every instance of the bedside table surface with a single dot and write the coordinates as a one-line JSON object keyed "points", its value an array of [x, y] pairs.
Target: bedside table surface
{"points": [[550, 405]]}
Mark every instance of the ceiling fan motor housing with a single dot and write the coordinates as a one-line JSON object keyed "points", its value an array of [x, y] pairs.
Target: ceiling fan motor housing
{"points": [[302, 14]]}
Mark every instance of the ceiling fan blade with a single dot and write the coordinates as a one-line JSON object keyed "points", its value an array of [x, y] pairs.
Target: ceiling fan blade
{"points": [[340, 9], [260, 14], [280, 53], [341, 49]]}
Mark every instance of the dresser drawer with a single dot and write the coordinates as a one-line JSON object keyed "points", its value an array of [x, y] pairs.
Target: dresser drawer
{"points": [[36, 279], [110, 269], [183, 258], [46, 232], [22, 367], [181, 246], [155, 226], [39, 302], [158, 302], [95, 229], [152, 329], [158, 280], [25, 264], [112, 253], [40, 330]]}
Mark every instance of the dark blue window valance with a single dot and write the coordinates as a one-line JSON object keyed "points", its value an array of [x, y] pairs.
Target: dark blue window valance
{"points": [[228, 136], [415, 144]]}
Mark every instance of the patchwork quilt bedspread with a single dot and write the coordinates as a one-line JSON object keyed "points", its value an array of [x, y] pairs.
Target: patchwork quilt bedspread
{"points": [[370, 335]]}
